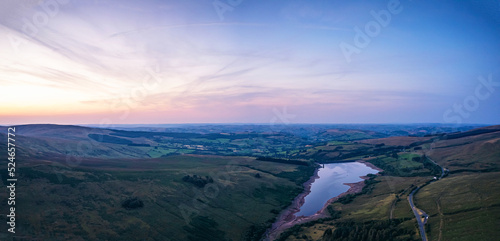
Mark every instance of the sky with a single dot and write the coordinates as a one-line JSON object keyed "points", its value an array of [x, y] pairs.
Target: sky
{"points": [[249, 61]]}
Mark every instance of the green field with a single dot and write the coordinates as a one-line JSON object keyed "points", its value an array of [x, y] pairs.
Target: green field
{"points": [[406, 161], [158, 152]]}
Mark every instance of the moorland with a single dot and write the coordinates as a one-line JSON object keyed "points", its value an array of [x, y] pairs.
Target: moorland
{"points": [[231, 182]]}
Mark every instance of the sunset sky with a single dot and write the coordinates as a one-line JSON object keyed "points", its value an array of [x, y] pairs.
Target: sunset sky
{"points": [[249, 61]]}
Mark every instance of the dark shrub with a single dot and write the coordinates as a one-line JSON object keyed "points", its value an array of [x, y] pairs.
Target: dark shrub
{"points": [[132, 203]]}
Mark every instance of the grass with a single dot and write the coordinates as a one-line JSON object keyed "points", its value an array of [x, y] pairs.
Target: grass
{"points": [[87, 201], [479, 225], [223, 140], [377, 204], [61, 203], [337, 143], [155, 153], [474, 153], [406, 160], [469, 205], [185, 151]]}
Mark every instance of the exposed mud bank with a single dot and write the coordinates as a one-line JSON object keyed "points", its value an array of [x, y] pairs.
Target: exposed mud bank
{"points": [[287, 218]]}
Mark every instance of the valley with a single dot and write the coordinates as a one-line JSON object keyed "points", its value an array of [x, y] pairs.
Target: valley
{"points": [[85, 183]]}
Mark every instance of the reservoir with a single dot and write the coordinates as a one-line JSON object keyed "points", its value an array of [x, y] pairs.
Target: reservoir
{"points": [[330, 183]]}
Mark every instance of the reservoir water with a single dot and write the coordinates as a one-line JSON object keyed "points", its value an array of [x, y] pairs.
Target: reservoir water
{"points": [[331, 183]]}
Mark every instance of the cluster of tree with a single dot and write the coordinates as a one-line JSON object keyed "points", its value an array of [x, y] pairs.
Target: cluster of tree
{"points": [[366, 189], [109, 139], [132, 203], [279, 160], [135, 144], [346, 199], [372, 230], [468, 133], [390, 169], [296, 230], [334, 214], [299, 176], [255, 233], [380, 149], [354, 153], [198, 180], [369, 184], [435, 169]]}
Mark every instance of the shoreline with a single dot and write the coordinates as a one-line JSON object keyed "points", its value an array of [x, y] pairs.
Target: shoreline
{"points": [[364, 161], [287, 218], [288, 214]]}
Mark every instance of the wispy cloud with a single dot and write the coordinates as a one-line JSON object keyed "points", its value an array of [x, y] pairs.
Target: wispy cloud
{"points": [[91, 55]]}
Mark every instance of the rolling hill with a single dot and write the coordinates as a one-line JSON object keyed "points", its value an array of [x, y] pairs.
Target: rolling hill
{"points": [[80, 178], [464, 205]]}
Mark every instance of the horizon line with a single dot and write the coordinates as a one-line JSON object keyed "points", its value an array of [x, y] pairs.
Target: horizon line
{"points": [[258, 123]]}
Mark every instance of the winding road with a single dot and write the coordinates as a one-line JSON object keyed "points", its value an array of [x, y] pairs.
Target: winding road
{"points": [[420, 214], [442, 169]]}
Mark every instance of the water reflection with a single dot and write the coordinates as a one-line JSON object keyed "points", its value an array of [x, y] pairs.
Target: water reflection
{"points": [[330, 184]]}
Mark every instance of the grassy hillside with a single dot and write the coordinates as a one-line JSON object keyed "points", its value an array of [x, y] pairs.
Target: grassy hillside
{"points": [[79, 183], [462, 206], [396, 140], [478, 152], [84, 142], [61, 203]]}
